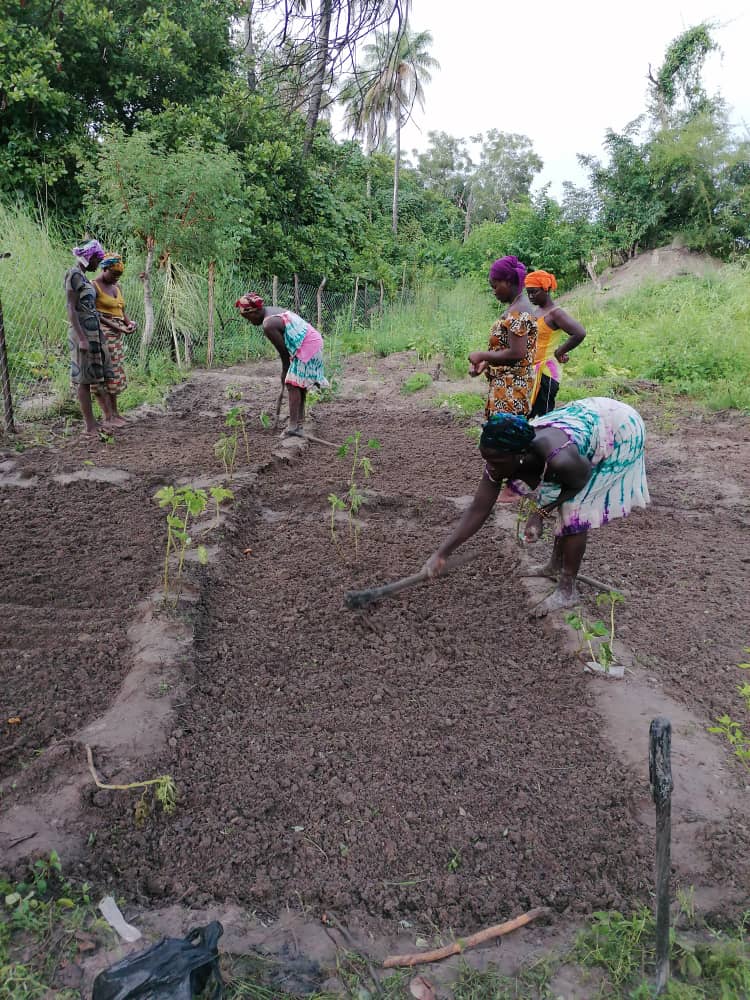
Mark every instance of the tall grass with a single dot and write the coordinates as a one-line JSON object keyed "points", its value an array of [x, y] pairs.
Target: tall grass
{"points": [[689, 334], [443, 320]]}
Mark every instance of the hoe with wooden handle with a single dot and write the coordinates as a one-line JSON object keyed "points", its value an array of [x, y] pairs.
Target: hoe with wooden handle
{"points": [[361, 598]]}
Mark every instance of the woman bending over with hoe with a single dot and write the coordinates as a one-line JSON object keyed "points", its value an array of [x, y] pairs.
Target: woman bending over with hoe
{"points": [[584, 466], [300, 348], [557, 335]]}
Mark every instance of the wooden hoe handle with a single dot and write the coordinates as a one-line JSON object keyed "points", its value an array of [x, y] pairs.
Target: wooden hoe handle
{"points": [[361, 598]]}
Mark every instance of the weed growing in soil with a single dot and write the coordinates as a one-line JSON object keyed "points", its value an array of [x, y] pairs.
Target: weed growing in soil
{"points": [[415, 382], [735, 732], [603, 654], [45, 921], [463, 404], [624, 948], [353, 498], [183, 502]]}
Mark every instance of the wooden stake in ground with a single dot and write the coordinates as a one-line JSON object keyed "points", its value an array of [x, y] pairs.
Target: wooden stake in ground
{"points": [[361, 598], [488, 934], [8, 421], [660, 776]]}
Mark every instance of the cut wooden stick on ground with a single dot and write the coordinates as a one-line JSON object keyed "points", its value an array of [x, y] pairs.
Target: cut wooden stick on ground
{"points": [[464, 944], [361, 598]]}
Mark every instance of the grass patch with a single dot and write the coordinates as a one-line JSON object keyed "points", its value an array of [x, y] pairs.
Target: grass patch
{"points": [[45, 921], [415, 382], [716, 964], [464, 405]]}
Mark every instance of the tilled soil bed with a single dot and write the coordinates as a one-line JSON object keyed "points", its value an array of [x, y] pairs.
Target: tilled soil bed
{"points": [[433, 759]]}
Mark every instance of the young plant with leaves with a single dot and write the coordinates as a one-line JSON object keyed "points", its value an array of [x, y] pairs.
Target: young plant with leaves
{"points": [[353, 499], [737, 734], [182, 503], [603, 653]]}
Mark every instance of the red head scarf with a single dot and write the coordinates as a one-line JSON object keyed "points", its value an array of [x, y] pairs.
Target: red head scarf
{"points": [[541, 279], [250, 300]]}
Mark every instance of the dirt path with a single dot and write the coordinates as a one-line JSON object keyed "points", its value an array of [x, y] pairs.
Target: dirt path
{"points": [[438, 761]]}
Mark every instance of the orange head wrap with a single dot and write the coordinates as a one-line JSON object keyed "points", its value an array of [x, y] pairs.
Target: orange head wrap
{"points": [[541, 279]]}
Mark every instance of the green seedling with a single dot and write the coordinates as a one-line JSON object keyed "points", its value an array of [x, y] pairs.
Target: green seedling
{"points": [[353, 499], [225, 450], [234, 419], [219, 494], [265, 420], [454, 861], [603, 654], [233, 392], [735, 733], [415, 382], [182, 503]]}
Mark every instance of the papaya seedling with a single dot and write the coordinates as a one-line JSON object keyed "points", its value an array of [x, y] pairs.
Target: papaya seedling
{"points": [[353, 499], [182, 503], [603, 653], [219, 494], [736, 733], [235, 418]]}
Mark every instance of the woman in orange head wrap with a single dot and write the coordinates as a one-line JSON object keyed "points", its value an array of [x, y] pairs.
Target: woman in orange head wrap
{"points": [[551, 349]]}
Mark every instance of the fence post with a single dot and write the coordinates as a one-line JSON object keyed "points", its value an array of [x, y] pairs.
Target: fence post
{"points": [[403, 286], [9, 422], [660, 778], [354, 300], [296, 293], [382, 296], [275, 291], [210, 343], [321, 286]]}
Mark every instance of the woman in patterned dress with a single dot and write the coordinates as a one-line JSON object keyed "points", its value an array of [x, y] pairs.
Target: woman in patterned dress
{"points": [[300, 347], [508, 364], [89, 358], [583, 463], [115, 324]]}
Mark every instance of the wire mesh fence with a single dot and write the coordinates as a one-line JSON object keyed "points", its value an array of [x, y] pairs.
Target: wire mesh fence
{"points": [[195, 321]]}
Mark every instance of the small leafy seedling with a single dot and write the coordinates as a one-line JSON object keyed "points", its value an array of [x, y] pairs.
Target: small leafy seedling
{"points": [[353, 499], [182, 504], [603, 654], [219, 494], [234, 419], [735, 733]]}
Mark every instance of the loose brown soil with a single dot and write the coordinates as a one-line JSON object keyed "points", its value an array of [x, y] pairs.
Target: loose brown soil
{"points": [[438, 759]]}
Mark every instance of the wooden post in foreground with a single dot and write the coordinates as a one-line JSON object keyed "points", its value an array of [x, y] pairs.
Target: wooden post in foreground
{"points": [[321, 286], [210, 343], [354, 300], [660, 777], [10, 426]]}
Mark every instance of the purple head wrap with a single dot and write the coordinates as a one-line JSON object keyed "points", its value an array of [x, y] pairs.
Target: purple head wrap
{"points": [[91, 249], [508, 269]]}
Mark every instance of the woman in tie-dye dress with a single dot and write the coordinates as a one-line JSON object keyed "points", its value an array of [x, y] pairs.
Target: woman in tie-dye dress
{"points": [[584, 465], [300, 347]]}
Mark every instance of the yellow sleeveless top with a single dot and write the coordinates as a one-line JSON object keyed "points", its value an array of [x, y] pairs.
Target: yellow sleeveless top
{"points": [[110, 305], [547, 340]]}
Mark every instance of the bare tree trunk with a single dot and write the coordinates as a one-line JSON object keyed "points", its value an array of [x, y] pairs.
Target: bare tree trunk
{"points": [[382, 297], [316, 95], [296, 294], [248, 49], [210, 343], [396, 168], [354, 300], [275, 290], [148, 303], [467, 219]]}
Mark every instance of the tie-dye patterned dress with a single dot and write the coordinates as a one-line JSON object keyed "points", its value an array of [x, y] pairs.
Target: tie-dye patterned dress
{"points": [[305, 346], [611, 435]]}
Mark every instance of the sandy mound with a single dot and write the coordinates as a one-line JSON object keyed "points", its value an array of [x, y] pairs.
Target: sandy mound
{"points": [[660, 264]]}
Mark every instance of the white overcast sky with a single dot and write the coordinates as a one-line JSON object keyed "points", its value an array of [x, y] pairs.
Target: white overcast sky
{"points": [[564, 72]]}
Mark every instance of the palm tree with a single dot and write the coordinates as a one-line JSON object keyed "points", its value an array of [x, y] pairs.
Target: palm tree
{"points": [[389, 87]]}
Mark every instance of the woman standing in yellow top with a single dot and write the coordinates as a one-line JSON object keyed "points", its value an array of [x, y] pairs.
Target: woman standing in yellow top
{"points": [[552, 349], [110, 305]]}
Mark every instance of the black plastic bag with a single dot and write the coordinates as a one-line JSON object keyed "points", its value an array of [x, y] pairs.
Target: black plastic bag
{"points": [[173, 969]]}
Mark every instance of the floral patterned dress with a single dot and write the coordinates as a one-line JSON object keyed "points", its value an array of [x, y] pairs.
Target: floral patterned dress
{"points": [[305, 346], [511, 385]]}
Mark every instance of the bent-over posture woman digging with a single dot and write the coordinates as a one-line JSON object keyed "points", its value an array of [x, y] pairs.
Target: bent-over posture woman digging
{"points": [[300, 347], [584, 465]]}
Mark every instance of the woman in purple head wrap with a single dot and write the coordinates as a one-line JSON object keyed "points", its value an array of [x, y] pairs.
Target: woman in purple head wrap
{"points": [[90, 366], [508, 363]]}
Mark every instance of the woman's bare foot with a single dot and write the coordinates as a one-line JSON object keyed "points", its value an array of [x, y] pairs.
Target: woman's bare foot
{"points": [[297, 432], [556, 601], [118, 421], [109, 425], [542, 569]]}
